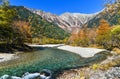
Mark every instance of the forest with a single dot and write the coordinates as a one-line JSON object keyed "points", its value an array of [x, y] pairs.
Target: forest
{"points": [[17, 28]]}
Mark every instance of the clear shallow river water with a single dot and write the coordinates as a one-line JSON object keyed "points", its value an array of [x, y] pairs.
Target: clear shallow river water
{"points": [[47, 58]]}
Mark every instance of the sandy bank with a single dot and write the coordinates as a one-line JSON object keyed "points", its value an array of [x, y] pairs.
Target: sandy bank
{"points": [[46, 45], [84, 52], [6, 57]]}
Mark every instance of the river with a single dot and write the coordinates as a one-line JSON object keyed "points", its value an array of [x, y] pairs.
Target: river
{"points": [[47, 58]]}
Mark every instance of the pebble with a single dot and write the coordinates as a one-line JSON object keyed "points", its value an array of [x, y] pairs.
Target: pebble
{"points": [[113, 73]]}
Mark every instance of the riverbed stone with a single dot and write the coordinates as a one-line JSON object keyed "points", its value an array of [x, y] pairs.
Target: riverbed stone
{"points": [[31, 75], [113, 73], [45, 74], [4, 77]]}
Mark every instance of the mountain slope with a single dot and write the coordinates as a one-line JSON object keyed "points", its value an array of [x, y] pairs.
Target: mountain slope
{"points": [[111, 13], [40, 27], [67, 21], [50, 18], [76, 19]]}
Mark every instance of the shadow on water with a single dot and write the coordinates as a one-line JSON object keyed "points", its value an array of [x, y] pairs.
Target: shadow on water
{"points": [[53, 59], [38, 48]]}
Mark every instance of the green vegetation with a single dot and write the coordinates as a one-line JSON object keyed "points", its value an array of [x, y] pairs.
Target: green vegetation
{"points": [[104, 36], [18, 25], [40, 28], [115, 36], [103, 31], [111, 14], [6, 16]]}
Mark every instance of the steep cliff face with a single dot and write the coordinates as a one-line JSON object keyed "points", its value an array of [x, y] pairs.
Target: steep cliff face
{"points": [[67, 21]]}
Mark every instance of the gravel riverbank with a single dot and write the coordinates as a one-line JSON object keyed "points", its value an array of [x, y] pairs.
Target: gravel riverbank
{"points": [[82, 51], [91, 73], [6, 57]]}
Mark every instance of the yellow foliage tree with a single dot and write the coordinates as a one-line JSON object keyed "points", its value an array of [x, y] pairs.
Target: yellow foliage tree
{"points": [[22, 31]]}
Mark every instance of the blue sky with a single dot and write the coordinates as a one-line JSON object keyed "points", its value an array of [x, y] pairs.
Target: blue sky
{"points": [[61, 6]]}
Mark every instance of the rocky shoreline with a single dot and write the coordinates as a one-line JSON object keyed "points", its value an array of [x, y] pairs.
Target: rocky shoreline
{"points": [[9, 51], [92, 72], [87, 73]]}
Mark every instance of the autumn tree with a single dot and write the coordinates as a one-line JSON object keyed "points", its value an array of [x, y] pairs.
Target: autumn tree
{"points": [[82, 37], [103, 34], [91, 35], [73, 37], [22, 31], [115, 33], [79, 37]]}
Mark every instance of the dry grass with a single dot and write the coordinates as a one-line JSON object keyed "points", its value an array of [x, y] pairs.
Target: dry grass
{"points": [[116, 50]]}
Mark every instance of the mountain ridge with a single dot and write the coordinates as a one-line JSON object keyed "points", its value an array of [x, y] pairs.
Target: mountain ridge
{"points": [[67, 21], [74, 21], [111, 14]]}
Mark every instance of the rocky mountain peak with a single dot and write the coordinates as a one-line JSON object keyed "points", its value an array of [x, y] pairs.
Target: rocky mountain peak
{"points": [[67, 21]]}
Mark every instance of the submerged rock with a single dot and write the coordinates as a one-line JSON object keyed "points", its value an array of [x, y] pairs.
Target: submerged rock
{"points": [[45, 74]]}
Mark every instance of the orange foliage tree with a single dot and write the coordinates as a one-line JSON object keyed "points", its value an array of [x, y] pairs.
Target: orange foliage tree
{"points": [[85, 37], [103, 34], [22, 31]]}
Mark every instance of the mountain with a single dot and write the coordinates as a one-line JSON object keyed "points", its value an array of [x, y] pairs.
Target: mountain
{"points": [[40, 27], [67, 21], [111, 14], [76, 20]]}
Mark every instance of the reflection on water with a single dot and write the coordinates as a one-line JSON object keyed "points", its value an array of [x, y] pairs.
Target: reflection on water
{"points": [[46, 58]]}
